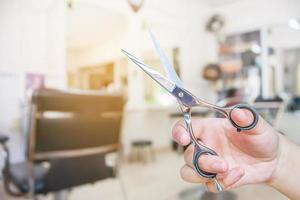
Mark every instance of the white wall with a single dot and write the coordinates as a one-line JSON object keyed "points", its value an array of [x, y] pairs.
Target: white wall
{"points": [[253, 14], [32, 40]]}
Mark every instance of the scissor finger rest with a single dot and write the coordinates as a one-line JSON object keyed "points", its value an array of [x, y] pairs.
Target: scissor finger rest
{"points": [[252, 111], [197, 153]]}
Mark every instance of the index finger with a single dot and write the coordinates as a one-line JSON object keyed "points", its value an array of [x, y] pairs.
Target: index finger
{"points": [[180, 134]]}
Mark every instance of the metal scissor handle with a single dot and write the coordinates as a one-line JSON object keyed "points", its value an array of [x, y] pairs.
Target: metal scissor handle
{"points": [[199, 150], [227, 111], [246, 107]]}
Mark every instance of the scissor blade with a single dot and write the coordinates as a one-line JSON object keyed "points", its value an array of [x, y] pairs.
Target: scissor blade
{"points": [[169, 69], [181, 94], [164, 82]]}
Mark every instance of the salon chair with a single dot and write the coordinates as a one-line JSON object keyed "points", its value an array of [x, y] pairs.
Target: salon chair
{"points": [[69, 138]]}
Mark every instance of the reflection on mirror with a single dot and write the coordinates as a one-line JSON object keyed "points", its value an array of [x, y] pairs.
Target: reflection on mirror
{"points": [[284, 41]]}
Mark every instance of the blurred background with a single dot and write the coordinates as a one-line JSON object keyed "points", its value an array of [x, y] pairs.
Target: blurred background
{"points": [[80, 121]]}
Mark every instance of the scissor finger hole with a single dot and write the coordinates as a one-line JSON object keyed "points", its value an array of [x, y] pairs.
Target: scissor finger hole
{"points": [[198, 167], [243, 120]]}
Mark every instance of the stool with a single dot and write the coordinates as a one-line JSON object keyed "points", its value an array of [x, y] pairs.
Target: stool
{"points": [[142, 150]]}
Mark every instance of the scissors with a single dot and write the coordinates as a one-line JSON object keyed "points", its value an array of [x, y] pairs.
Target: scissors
{"points": [[187, 101]]}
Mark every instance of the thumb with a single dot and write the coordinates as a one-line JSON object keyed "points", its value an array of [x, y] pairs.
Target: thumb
{"points": [[244, 117]]}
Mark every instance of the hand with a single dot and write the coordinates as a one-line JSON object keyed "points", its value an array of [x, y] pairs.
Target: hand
{"points": [[243, 157]]}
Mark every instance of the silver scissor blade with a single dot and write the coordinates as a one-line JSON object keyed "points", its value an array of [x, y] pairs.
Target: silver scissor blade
{"points": [[182, 95], [169, 69], [164, 82]]}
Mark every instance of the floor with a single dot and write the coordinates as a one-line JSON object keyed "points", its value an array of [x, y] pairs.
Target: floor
{"points": [[158, 180]]}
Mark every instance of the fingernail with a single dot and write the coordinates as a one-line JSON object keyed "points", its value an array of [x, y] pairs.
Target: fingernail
{"points": [[218, 166]]}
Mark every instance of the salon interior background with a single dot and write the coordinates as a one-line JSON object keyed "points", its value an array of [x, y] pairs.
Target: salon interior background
{"points": [[68, 41]]}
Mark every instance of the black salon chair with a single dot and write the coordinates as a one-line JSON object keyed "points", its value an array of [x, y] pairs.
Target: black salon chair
{"points": [[69, 137]]}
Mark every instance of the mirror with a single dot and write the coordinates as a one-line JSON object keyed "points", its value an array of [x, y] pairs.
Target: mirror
{"points": [[284, 56]]}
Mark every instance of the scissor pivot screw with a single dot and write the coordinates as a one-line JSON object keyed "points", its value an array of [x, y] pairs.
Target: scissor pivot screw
{"points": [[180, 94]]}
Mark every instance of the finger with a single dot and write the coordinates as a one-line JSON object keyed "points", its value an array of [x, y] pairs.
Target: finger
{"points": [[188, 155], [210, 186], [180, 134], [213, 164], [243, 117], [189, 175], [208, 163], [230, 178]]}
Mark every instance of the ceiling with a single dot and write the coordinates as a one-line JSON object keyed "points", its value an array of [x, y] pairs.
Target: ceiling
{"points": [[92, 23], [90, 26]]}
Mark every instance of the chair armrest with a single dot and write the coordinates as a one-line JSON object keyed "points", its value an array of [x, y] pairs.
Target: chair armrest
{"points": [[6, 169], [75, 153], [3, 139], [3, 142]]}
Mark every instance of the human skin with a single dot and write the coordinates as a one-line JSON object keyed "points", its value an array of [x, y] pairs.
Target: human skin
{"points": [[259, 155]]}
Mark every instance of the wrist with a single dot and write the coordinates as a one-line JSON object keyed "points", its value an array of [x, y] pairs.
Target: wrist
{"points": [[284, 177], [281, 164]]}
